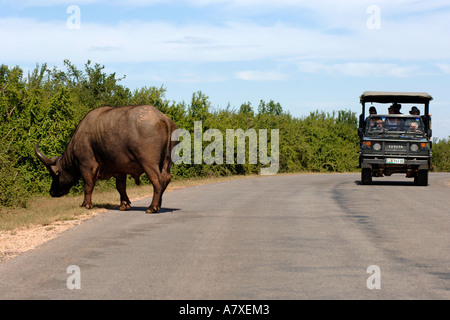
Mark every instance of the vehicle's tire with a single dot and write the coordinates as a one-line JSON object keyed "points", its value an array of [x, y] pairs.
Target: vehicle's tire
{"points": [[366, 176], [422, 178]]}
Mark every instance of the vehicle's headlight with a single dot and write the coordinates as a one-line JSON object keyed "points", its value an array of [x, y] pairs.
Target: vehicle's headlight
{"points": [[414, 147], [377, 147]]}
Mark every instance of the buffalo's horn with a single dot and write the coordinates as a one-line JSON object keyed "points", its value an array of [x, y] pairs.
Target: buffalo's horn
{"points": [[46, 161]]}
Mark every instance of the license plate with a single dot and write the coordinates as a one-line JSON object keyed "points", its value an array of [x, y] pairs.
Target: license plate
{"points": [[395, 161]]}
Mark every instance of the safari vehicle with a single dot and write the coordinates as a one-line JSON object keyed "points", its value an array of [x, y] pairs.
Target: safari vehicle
{"points": [[393, 142]]}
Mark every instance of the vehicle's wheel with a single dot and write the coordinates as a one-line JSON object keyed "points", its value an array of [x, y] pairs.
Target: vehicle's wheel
{"points": [[366, 176], [422, 178]]}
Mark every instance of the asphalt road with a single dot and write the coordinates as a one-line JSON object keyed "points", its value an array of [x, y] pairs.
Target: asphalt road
{"points": [[276, 237]]}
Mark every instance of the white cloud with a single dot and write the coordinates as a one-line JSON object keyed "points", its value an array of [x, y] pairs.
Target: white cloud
{"points": [[31, 40], [198, 77], [250, 75], [50, 3], [149, 41], [347, 45], [444, 67], [45, 3], [357, 69]]}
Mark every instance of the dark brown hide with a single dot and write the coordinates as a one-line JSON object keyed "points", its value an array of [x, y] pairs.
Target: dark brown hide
{"points": [[116, 142]]}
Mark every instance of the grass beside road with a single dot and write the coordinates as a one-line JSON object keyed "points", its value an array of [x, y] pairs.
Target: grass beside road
{"points": [[45, 210]]}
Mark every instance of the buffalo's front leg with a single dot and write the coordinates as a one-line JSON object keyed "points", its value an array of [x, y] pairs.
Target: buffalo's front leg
{"points": [[89, 176], [121, 186], [88, 189]]}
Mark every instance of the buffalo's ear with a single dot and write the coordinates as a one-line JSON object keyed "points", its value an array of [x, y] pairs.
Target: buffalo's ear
{"points": [[55, 170]]}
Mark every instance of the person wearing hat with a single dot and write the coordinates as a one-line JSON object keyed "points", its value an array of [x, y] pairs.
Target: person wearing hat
{"points": [[391, 110], [392, 123], [414, 111], [396, 108], [372, 110]]}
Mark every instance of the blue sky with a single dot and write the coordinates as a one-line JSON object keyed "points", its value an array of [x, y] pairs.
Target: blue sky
{"points": [[307, 55]]}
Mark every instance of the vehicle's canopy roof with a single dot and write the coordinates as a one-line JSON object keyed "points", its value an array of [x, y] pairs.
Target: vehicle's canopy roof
{"points": [[400, 115], [399, 97]]}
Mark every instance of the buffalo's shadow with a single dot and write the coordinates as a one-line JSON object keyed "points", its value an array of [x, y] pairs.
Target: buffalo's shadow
{"points": [[113, 207], [161, 211]]}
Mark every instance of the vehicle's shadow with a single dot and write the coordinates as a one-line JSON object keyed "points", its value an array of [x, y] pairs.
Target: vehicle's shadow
{"points": [[388, 183]]}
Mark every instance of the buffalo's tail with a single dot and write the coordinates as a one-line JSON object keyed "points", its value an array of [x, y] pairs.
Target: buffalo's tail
{"points": [[171, 127]]}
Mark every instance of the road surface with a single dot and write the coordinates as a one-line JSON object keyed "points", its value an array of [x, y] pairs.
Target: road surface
{"points": [[317, 236]]}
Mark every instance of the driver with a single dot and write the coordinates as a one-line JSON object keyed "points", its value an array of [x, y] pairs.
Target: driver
{"points": [[379, 125]]}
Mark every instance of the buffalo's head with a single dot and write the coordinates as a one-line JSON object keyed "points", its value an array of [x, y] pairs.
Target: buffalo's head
{"points": [[62, 179]]}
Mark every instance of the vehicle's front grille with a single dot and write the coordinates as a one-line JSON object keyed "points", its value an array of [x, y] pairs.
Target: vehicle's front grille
{"points": [[391, 147]]}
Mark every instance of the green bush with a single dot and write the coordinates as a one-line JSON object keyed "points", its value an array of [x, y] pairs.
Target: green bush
{"points": [[12, 191], [441, 155]]}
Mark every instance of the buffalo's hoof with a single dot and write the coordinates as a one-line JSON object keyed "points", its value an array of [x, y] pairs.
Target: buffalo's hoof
{"points": [[87, 206], [152, 210], [124, 206]]}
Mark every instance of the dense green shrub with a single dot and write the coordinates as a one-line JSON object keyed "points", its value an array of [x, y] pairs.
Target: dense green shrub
{"points": [[441, 155]]}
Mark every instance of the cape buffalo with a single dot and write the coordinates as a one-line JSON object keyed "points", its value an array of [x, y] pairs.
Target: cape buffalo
{"points": [[113, 142]]}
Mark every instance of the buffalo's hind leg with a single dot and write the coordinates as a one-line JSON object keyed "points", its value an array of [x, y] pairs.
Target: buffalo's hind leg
{"points": [[121, 186], [154, 175], [166, 177]]}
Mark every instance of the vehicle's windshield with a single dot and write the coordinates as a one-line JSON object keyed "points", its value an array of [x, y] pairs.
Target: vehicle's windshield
{"points": [[381, 123]]}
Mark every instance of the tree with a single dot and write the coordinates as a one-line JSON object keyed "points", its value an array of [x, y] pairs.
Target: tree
{"points": [[199, 107], [273, 108]]}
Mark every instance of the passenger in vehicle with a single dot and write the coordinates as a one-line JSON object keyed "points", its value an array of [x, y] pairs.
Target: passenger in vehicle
{"points": [[396, 108], [414, 127], [379, 125], [391, 110], [373, 120], [392, 123], [414, 111]]}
